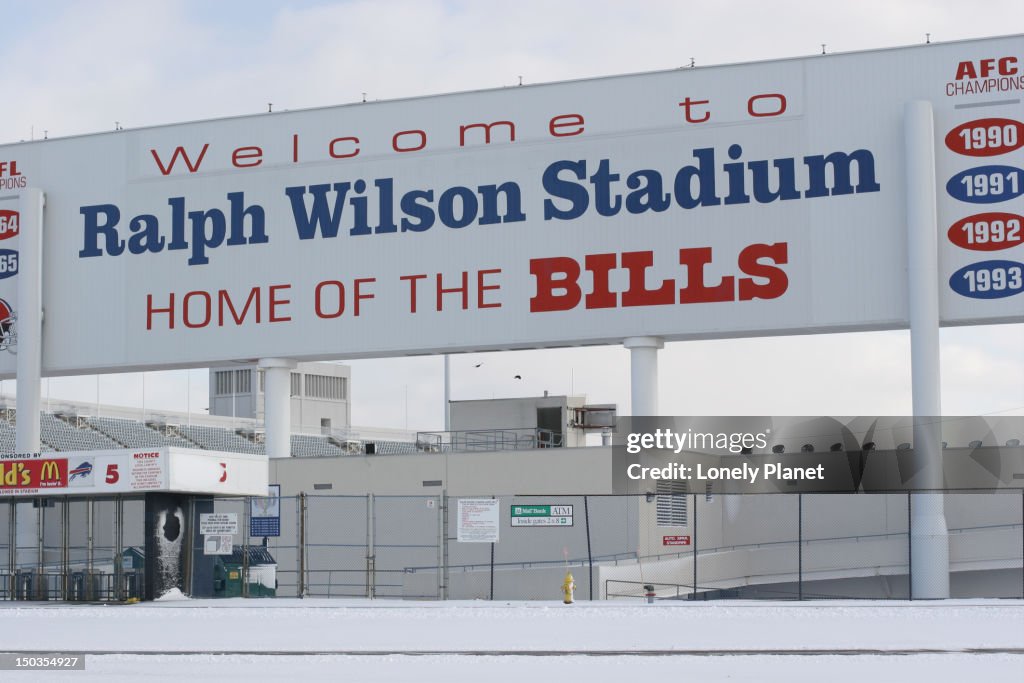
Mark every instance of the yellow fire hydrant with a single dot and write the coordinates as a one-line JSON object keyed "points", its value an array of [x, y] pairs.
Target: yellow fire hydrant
{"points": [[568, 587]]}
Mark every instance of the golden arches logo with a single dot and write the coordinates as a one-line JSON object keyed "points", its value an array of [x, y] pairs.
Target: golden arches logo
{"points": [[50, 471]]}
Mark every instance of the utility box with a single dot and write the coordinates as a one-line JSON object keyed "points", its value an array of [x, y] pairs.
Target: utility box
{"points": [[24, 581], [85, 587], [229, 573]]}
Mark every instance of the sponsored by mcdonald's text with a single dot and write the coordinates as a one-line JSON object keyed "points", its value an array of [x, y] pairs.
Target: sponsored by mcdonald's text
{"points": [[36, 474]]}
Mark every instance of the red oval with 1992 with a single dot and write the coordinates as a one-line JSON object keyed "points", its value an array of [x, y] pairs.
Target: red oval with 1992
{"points": [[988, 231], [986, 137]]}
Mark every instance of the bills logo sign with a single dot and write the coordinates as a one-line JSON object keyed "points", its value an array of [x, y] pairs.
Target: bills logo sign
{"points": [[8, 333], [33, 474], [81, 475]]}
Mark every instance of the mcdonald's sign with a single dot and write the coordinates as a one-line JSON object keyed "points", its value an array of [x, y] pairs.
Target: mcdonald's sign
{"points": [[115, 471], [52, 474], [34, 474]]}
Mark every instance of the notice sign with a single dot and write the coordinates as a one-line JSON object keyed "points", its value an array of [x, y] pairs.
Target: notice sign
{"points": [[542, 515], [218, 523], [675, 540], [478, 520], [146, 470]]}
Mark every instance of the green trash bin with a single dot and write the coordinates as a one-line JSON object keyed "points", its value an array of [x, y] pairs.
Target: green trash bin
{"points": [[228, 574], [227, 579]]}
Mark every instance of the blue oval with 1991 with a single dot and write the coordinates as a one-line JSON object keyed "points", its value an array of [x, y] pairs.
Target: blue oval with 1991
{"points": [[8, 263], [989, 280], [987, 184]]}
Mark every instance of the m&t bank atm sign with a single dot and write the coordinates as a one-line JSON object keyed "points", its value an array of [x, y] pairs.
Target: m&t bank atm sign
{"points": [[542, 515]]}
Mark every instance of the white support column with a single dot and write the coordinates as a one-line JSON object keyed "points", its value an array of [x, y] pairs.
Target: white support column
{"points": [[30, 321], [643, 374], [447, 393], [929, 537], [29, 328], [277, 406]]}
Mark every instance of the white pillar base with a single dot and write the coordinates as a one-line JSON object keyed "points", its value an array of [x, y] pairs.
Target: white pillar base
{"points": [[929, 547], [643, 374], [447, 393], [277, 405]]}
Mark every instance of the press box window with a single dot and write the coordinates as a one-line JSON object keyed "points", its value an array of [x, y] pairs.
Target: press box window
{"points": [[325, 387], [243, 381], [222, 379]]}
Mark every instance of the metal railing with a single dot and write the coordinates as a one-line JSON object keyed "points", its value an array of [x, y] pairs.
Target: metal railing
{"points": [[74, 586], [646, 588], [497, 439]]}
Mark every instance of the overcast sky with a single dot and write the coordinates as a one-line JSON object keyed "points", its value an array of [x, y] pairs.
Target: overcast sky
{"points": [[79, 67]]}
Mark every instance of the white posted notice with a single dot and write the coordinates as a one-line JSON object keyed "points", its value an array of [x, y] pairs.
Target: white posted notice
{"points": [[146, 470], [478, 520], [218, 523]]}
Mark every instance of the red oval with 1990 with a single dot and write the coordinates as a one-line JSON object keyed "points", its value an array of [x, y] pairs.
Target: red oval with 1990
{"points": [[988, 231], [986, 137]]}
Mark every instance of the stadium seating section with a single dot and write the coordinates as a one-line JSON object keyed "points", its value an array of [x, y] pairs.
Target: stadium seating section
{"points": [[75, 433]]}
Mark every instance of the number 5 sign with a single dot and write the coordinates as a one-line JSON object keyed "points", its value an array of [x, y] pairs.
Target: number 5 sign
{"points": [[130, 471], [110, 469]]}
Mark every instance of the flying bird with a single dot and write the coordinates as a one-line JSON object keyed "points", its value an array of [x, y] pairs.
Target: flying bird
{"points": [[518, 377]]}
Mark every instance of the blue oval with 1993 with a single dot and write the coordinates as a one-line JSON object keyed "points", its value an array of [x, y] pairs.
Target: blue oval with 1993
{"points": [[8, 263], [987, 184], [989, 280]]}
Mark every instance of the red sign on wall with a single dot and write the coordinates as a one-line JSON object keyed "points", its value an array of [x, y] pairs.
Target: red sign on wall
{"points": [[675, 540], [34, 474]]}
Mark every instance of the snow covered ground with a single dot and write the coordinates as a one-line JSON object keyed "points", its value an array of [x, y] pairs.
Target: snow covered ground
{"points": [[287, 639]]}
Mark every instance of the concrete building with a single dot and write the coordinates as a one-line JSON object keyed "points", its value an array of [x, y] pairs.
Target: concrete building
{"points": [[320, 395], [660, 533], [385, 523], [526, 422]]}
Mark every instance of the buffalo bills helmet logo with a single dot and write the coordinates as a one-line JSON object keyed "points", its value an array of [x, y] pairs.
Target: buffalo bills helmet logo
{"points": [[8, 334]]}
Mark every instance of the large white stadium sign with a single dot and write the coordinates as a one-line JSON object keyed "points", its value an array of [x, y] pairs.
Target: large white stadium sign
{"points": [[106, 472], [755, 199]]}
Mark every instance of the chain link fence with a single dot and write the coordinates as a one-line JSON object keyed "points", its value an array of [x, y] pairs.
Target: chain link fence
{"points": [[617, 547], [86, 550], [685, 546]]}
